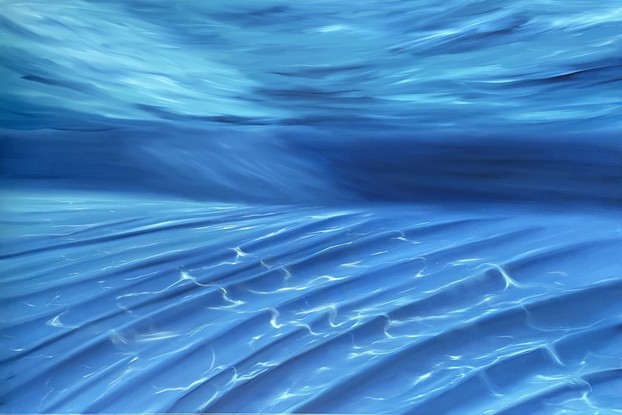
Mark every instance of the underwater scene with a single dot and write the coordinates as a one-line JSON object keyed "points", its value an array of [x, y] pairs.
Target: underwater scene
{"points": [[314, 206]]}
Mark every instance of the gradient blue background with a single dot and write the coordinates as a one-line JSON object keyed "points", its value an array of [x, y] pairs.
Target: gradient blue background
{"points": [[399, 206]]}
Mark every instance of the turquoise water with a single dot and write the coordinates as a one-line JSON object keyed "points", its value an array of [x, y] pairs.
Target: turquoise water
{"points": [[312, 207]]}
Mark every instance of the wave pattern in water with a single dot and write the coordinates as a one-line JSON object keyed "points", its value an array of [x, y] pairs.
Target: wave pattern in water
{"points": [[403, 206], [117, 306], [463, 64], [316, 101]]}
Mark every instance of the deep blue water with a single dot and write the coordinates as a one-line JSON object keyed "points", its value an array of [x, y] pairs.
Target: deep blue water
{"points": [[399, 206]]}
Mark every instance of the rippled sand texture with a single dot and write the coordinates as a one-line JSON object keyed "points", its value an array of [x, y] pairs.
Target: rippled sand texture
{"points": [[149, 307]]}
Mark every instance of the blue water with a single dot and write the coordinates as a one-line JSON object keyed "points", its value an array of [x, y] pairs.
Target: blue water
{"points": [[398, 206]]}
